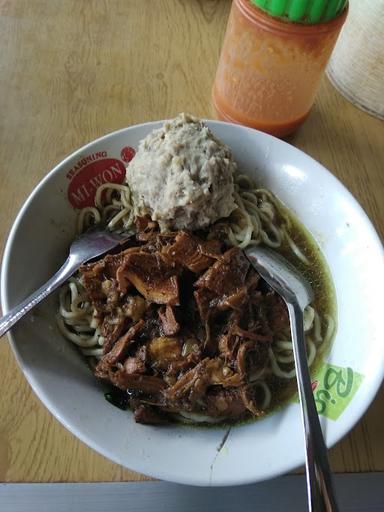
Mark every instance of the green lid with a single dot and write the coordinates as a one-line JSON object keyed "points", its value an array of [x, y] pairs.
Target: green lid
{"points": [[302, 11]]}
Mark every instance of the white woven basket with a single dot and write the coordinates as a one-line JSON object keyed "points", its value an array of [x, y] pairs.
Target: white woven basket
{"points": [[356, 67]]}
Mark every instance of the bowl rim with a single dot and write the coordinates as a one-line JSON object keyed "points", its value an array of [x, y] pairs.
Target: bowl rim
{"points": [[354, 416]]}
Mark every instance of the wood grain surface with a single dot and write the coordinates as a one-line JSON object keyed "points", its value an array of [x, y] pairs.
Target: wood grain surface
{"points": [[73, 70]]}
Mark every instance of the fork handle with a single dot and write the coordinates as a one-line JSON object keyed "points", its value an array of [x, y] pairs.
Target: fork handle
{"points": [[70, 265], [321, 497]]}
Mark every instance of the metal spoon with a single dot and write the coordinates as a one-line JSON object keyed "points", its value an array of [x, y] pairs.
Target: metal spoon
{"points": [[297, 293], [90, 245]]}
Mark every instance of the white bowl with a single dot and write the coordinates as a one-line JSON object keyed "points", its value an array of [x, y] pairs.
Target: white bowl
{"points": [[266, 448]]}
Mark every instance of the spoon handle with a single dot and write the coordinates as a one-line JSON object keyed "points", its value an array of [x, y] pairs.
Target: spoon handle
{"points": [[69, 267], [321, 497]]}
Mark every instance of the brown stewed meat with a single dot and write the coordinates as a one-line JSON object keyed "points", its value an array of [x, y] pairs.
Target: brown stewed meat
{"points": [[187, 325]]}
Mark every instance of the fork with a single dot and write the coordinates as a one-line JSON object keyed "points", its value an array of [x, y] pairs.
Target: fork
{"points": [[297, 294], [93, 243]]}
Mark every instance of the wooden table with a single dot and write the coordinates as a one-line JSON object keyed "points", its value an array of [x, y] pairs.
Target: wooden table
{"points": [[73, 70]]}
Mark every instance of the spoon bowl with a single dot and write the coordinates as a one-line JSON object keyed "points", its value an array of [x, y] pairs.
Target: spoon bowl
{"points": [[86, 247], [281, 275]]}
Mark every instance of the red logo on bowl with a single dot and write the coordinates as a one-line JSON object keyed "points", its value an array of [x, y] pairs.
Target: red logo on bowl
{"points": [[86, 180], [127, 154]]}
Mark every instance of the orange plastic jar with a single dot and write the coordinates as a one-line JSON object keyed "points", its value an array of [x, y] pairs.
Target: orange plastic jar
{"points": [[269, 69]]}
